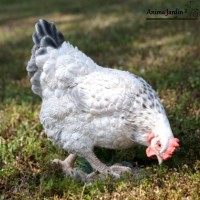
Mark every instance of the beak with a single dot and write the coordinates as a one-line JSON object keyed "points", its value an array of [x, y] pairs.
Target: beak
{"points": [[151, 153], [160, 160]]}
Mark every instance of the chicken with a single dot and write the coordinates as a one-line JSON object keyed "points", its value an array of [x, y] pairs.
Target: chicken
{"points": [[85, 105]]}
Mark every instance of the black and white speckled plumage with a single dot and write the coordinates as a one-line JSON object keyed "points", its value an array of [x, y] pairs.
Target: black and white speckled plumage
{"points": [[85, 105]]}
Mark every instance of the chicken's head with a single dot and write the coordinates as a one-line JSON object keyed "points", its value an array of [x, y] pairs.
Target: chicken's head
{"points": [[154, 149]]}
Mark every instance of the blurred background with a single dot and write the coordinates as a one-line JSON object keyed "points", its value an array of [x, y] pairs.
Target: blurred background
{"points": [[115, 34]]}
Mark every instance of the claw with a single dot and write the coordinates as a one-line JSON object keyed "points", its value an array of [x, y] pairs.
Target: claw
{"points": [[56, 161], [120, 169]]}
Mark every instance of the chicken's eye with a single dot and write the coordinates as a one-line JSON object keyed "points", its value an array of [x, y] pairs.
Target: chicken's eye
{"points": [[158, 144]]}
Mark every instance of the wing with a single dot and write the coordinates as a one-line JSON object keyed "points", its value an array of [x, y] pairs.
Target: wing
{"points": [[106, 92]]}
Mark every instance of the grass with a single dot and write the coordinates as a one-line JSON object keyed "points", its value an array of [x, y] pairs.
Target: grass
{"points": [[116, 34]]}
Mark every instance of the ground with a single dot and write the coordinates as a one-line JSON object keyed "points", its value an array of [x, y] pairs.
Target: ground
{"points": [[114, 34]]}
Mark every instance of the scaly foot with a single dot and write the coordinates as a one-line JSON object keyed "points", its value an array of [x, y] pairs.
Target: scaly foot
{"points": [[119, 169]]}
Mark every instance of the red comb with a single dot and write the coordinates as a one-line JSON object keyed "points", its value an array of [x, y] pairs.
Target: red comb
{"points": [[173, 144]]}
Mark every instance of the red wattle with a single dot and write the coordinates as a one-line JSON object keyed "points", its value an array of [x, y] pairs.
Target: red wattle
{"points": [[150, 152]]}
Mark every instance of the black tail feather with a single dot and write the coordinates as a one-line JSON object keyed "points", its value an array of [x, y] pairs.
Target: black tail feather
{"points": [[47, 35]]}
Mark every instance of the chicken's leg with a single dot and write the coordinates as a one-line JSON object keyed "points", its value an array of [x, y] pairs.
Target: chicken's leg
{"points": [[115, 170]]}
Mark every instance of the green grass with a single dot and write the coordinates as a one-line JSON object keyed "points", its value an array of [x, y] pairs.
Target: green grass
{"points": [[115, 34]]}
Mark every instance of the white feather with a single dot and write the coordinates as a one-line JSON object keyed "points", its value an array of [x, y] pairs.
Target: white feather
{"points": [[85, 105]]}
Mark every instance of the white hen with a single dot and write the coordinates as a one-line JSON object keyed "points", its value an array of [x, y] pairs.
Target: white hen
{"points": [[85, 105]]}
